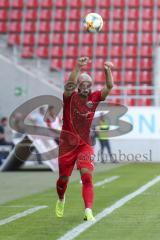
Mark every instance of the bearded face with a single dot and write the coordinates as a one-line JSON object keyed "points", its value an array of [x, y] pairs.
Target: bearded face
{"points": [[84, 84], [84, 88]]}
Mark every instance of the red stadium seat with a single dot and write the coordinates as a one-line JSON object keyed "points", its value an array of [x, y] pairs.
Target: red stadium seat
{"points": [[146, 63], [132, 26], [102, 38], [75, 4], [88, 67], [32, 3], [56, 63], [148, 3], [145, 76], [3, 27], [15, 27], [117, 38], [57, 39], [75, 14], [131, 51], [59, 26], [145, 90], [119, 3], [74, 26], [134, 3], [116, 51], [17, 3], [69, 63], [88, 10], [104, 3], [147, 26], [99, 77], [99, 64], [116, 101], [117, 63], [105, 27], [147, 13], [61, 3], [115, 91], [130, 89], [130, 76], [73, 38], [147, 38], [133, 13], [90, 3], [101, 51], [130, 63], [3, 15], [105, 13], [117, 26], [132, 38], [46, 14], [148, 102], [71, 51], [144, 102], [15, 15], [57, 52], [43, 39], [42, 52], [117, 76], [27, 52], [146, 51], [60, 14], [86, 51], [31, 15], [45, 27], [118, 13], [46, 4], [30, 27], [14, 39], [87, 38], [130, 102], [28, 40], [4, 3]]}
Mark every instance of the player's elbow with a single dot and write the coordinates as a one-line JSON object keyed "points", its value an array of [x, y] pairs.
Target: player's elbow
{"points": [[110, 86]]}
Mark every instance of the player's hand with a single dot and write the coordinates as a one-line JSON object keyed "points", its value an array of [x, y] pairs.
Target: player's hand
{"points": [[108, 65], [83, 61]]}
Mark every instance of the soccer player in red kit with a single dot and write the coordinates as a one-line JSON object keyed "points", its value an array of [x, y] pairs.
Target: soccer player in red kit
{"points": [[75, 148]]}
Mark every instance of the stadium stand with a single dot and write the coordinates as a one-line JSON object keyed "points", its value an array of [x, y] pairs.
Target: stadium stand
{"points": [[45, 30]]}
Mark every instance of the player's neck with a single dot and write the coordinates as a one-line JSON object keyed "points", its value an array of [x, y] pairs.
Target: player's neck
{"points": [[83, 96]]}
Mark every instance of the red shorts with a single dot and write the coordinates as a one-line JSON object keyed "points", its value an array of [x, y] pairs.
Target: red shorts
{"points": [[82, 156]]}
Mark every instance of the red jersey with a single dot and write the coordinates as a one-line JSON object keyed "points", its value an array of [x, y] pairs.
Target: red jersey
{"points": [[78, 113]]}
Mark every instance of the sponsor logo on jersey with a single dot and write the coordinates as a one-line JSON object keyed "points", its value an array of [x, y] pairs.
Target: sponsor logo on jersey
{"points": [[89, 104]]}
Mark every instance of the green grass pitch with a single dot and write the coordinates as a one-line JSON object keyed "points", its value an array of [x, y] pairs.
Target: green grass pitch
{"points": [[137, 219]]}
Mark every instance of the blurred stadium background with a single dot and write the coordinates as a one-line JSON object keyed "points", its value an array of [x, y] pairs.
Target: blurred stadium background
{"points": [[40, 41]]}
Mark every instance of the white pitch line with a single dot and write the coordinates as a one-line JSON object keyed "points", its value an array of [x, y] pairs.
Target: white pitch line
{"points": [[15, 206], [107, 180], [20, 215], [84, 226]]}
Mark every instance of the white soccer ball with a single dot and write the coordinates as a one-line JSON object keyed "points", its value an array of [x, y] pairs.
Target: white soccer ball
{"points": [[93, 22]]}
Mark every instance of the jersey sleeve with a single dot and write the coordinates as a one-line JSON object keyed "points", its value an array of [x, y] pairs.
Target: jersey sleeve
{"points": [[97, 96], [66, 98]]}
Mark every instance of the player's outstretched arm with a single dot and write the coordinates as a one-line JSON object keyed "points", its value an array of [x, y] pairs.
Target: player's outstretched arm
{"points": [[72, 80], [109, 79]]}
